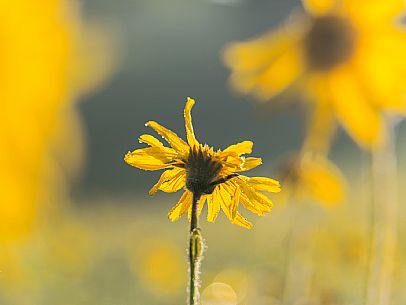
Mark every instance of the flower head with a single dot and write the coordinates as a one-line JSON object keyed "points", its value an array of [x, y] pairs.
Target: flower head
{"points": [[202, 171], [312, 177], [346, 57]]}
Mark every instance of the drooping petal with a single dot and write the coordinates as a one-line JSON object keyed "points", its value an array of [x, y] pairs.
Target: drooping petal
{"points": [[227, 207], [241, 221], [258, 209], [264, 184], [213, 205], [177, 143], [225, 199], [255, 197], [182, 206], [150, 140], [235, 202], [362, 121], [151, 158], [238, 149], [188, 123], [175, 184], [166, 176], [318, 7]]}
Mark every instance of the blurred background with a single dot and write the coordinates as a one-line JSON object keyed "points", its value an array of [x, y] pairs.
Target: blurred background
{"points": [[79, 79]]}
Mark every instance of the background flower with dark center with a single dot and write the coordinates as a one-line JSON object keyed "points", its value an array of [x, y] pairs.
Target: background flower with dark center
{"points": [[346, 57], [200, 170], [310, 177]]}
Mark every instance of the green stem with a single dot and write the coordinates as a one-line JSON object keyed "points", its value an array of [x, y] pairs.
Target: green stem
{"points": [[384, 219], [195, 253]]}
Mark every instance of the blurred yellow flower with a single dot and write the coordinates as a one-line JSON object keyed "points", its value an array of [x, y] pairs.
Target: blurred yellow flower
{"points": [[312, 177], [160, 265], [44, 66], [200, 170], [346, 57]]}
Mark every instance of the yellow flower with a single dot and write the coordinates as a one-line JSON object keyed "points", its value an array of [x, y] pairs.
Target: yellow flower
{"points": [[346, 57], [44, 67], [213, 175], [313, 177]]}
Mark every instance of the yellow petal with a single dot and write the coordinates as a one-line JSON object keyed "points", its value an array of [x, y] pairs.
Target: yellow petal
{"points": [[384, 75], [250, 163], [151, 158], [175, 184], [373, 13], [213, 205], [182, 206], [255, 197], [238, 149], [177, 143], [253, 55], [323, 180], [354, 111], [236, 200], [260, 210], [280, 74], [227, 207], [166, 176], [264, 184], [241, 221], [150, 140], [188, 123], [319, 7]]}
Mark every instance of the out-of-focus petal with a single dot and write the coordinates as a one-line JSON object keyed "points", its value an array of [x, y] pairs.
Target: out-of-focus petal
{"points": [[362, 121], [254, 54], [372, 13], [319, 7], [323, 181], [177, 143], [188, 123], [182, 206], [383, 75], [282, 72]]}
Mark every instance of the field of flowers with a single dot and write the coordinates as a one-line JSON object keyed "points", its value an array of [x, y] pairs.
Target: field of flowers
{"points": [[211, 152]]}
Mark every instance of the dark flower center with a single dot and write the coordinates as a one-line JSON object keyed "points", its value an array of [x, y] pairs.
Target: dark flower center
{"points": [[201, 172], [329, 42]]}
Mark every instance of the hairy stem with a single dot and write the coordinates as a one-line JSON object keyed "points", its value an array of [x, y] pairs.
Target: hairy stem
{"points": [[195, 253], [384, 220]]}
